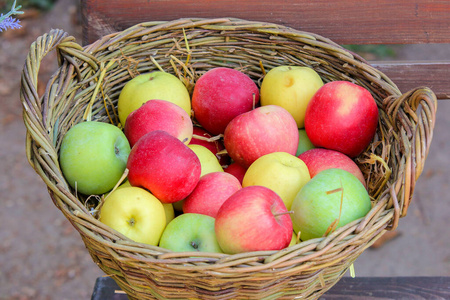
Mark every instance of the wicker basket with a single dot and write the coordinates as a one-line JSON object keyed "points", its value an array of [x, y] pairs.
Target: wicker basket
{"points": [[87, 85]]}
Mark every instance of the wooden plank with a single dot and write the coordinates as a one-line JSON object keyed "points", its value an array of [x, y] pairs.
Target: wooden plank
{"points": [[347, 288], [344, 21], [412, 74]]}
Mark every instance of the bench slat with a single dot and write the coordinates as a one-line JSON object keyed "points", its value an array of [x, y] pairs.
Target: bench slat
{"points": [[410, 74], [344, 21], [347, 288]]}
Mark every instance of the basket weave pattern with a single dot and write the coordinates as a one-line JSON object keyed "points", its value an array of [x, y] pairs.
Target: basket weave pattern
{"points": [[87, 85]]}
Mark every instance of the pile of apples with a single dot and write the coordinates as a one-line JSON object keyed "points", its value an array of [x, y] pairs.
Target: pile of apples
{"points": [[232, 167]]}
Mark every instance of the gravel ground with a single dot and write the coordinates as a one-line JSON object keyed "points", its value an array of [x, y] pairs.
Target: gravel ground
{"points": [[43, 257]]}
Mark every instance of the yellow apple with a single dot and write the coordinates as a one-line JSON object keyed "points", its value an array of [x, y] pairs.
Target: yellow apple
{"points": [[283, 173], [293, 239], [168, 207], [135, 213], [208, 161], [155, 85], [290, 87]]}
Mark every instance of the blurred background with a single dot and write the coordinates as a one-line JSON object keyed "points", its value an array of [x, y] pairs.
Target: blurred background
{"points": [[43, 257]]}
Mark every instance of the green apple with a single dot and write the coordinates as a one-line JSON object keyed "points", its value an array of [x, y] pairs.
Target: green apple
{"points": [[317, 207], [168, 207], [155, 85], [93, 156], [208, 161], [290, 87], [190, 232], [135, 213], [304, 144], [283, 173]]}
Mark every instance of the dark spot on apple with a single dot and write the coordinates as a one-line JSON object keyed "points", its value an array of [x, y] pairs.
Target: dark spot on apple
{"points": [[194, 245], [132, 221], [185, 140], [116, 151]]}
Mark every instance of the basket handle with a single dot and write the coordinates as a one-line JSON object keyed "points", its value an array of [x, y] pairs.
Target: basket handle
{"points": [[40, 148], [35, 108], [413, 115]]}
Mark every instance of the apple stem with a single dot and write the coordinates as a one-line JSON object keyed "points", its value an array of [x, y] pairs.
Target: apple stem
{"points": [[283, 213]]}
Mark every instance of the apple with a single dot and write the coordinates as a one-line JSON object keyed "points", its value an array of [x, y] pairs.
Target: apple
{"points": [[168, 207], [148, 86], [190, 232], [204, 138], [163, 165], [253, 219], [158, 115], [208, 161], [319, 159], [290, 87], [281, 172], [221, 94], [293, 239], [304, 143], [342, 116], [93, 157], [263, 130], [135, 213], [317, 207], [210, 193], [236, 170]]}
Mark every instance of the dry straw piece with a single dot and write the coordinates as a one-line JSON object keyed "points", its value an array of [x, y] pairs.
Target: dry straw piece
{"points": [[87, 85]]}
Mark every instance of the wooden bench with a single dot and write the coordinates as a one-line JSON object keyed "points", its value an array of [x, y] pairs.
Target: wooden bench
{"points": [[343, 21], [347, 288]]}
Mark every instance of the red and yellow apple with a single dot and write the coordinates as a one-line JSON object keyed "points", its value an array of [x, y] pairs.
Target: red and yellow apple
{"points": [[163, 165], [253, 219], [261, 131], [221, 94], [236, 170], [210, 193], [319, 159], [342, 116], [158, 115]]}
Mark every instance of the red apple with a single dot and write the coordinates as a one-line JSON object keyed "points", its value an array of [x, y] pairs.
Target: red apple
{"points": [[163, 165], [158, 115], [210, 193], [236, 170], [261, 131], [319, 159], [220, 95], [214, 146], [253, 219], [342, 116]]}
